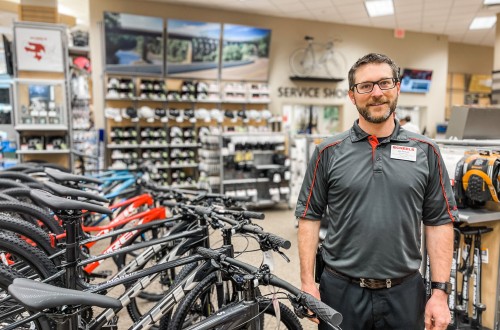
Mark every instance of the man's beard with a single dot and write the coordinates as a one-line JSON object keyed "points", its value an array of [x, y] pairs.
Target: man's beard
{"points": [[377, 120]]}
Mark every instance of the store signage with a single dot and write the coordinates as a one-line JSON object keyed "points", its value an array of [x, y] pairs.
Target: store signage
{"points": [[311, 92], [39, 50]]}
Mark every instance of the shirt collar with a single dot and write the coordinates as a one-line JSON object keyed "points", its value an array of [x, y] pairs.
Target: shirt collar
{"points": [[357, 134]]}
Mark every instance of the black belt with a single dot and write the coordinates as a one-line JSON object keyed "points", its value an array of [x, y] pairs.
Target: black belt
{"points": [[371, 283]]}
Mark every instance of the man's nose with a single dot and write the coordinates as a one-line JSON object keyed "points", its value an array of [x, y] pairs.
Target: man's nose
{"points": [[377, 91]]}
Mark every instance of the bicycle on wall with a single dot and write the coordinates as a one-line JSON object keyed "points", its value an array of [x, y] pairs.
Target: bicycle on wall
{"points": [[318, 60]]}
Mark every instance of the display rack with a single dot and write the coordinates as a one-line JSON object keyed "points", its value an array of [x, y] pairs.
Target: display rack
{"points": [[253, 164], [452, 151], [41, 102], [158, 120]]}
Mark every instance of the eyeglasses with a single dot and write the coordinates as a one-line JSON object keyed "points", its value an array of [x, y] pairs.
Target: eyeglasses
{"points": [[367, 86]]}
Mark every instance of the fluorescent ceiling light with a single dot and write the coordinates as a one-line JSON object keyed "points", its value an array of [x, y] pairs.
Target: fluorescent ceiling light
{"points": [[485, 22], [491, 2], [377, 8]]}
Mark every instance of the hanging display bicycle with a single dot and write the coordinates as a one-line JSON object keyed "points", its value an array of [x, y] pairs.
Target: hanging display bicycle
{"points": [[318, 60]]}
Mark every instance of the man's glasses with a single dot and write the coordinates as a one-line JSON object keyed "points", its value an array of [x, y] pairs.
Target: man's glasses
{"points": [[367, 86]]}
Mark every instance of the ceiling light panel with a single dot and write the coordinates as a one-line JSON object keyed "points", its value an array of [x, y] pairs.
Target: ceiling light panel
{"points": [[376, 8], [491, 2], [485, 22]]}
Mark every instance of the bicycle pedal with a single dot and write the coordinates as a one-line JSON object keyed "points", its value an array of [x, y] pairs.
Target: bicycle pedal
{"points": [[101, 274]]}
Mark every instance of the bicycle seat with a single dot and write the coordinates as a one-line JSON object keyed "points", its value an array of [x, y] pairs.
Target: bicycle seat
{"points": [[59, 203], [62, 176], [64, 191], [37, 296], [308, 38]]}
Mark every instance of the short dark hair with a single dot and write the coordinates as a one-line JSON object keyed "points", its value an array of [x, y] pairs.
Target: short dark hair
{"points": [[373, 58]]}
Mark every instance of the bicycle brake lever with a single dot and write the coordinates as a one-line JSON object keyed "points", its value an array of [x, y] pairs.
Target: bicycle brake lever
{"points": [[283, 255]]}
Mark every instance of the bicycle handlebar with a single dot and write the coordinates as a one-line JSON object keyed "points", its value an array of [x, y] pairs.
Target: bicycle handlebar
{"points": [[323, 311]]}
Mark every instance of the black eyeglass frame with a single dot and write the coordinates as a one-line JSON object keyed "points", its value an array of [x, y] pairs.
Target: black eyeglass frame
{"points": [[355, 86]]}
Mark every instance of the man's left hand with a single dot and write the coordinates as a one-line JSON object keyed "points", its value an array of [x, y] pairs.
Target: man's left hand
{"points": [[437, 313]]}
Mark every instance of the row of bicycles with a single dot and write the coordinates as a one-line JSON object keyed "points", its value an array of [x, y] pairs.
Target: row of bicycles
{"points": [[170, 274]]}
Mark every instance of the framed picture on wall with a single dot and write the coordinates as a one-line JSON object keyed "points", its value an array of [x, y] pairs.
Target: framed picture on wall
{"points": [[245, 53], [133, 43], [39, 49], [193, 49]]}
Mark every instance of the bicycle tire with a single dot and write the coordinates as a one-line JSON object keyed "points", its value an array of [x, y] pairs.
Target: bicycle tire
{"points": [[302, 62], [29, 231], [26, 259], [335, 65], [7, 197], [38, 213], [7, 276], [9, 183], [188, 303]]}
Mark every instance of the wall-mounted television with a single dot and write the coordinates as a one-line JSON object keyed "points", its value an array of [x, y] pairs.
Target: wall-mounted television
{"points": [[7, 57], [416, 81]]}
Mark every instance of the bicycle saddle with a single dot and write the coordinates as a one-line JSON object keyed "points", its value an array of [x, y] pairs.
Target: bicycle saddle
{"points": [[66, 191], [37, 296], [59, 203], [63, 176]]}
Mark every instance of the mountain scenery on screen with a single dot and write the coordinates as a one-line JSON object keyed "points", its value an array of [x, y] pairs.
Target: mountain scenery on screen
{"points": [[193, 49], [134, 43], [245, 53]]}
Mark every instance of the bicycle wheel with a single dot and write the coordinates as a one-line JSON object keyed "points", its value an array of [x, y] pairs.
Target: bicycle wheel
{"points": [[302, 62], [10, 310], [28, 232], [203, 301], [29, 261], [335, 64], [34, 211]]}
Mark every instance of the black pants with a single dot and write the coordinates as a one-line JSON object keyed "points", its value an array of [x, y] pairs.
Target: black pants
{"points": [[400, 307]]}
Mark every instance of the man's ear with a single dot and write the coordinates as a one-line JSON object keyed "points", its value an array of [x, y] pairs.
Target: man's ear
{"points": [[351, 96]]}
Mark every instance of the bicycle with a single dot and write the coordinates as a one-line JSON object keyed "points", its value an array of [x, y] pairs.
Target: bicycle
{"points": [[304, 62]]}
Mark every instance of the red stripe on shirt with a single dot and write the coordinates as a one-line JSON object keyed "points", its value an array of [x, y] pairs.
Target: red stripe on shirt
{"points": [[440, 177], [314, 176]]}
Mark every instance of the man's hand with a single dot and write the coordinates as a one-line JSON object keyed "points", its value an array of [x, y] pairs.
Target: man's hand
{"points": [[313, 291], [437, 313]]}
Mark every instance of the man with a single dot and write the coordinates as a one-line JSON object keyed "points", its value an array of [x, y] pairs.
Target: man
{"points": [[406, 123], [379, 183]]}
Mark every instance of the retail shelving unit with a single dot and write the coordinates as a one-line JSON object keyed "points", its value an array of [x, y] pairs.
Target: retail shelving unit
{"points": [[41, 102], [165, 117], [250, 164]]}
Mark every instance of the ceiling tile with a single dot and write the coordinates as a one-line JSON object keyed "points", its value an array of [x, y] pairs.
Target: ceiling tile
{"points": [[318, 4]]}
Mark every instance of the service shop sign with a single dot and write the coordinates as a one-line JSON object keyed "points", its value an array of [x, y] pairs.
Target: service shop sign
{"points": [[311, 92]]}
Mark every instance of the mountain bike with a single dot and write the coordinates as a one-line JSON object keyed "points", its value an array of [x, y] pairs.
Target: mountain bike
{"points": [[318, 59]]}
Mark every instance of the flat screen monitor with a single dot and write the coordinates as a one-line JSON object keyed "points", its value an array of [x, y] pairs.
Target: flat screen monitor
{"points": [[7, 46], [416, 81]]}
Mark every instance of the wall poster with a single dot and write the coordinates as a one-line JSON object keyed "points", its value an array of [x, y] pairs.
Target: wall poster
{"points": [[134, 43], [245, 53], [193, 49], [39, 49]]}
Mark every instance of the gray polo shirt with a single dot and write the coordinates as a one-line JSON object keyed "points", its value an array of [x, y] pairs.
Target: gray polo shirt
{"points": [[377, 196]]}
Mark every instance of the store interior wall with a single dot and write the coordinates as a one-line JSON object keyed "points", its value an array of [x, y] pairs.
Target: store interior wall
{"points": [[472, 59], [416, 50]]}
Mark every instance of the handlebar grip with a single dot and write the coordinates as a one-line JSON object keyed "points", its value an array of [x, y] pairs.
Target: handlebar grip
{"points": [[253, 215], [322, 310], [279, 241], [208, 253]]}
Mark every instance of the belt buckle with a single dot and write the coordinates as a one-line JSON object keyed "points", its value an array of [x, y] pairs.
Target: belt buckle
{"points": [[368, 283]]}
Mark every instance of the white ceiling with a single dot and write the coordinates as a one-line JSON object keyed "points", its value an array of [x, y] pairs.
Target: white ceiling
{"points": [[447, 17]]}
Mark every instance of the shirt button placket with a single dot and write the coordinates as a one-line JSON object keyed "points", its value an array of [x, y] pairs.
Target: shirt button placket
{"points": [[378, 160]]}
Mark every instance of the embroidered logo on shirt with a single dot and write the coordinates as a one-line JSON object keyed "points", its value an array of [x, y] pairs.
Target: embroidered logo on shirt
{"points": [[404, 153]]}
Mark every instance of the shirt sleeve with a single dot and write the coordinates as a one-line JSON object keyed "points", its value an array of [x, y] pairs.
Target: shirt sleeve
{"points": [[439, 201], [313, 195]]}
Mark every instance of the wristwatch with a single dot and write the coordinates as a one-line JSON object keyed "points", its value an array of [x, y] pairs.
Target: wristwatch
{"points": [[445, 286]]}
